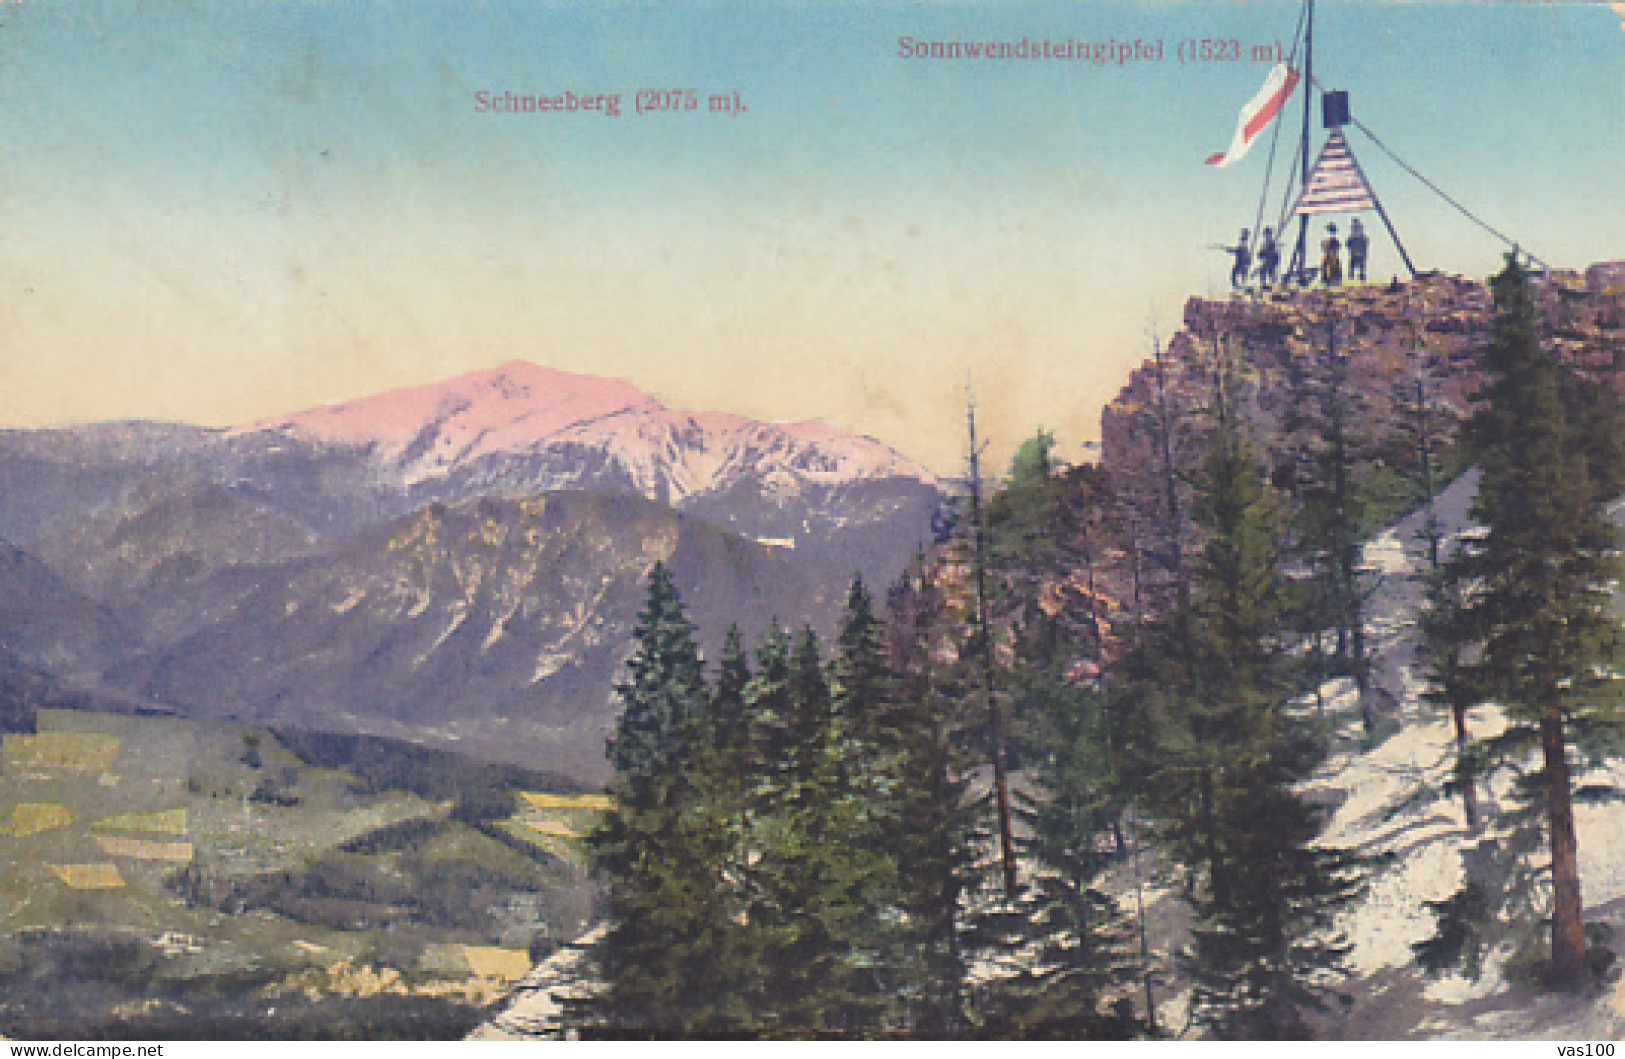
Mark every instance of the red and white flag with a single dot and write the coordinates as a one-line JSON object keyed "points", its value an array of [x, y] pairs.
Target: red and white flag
{"points": [[1258, 113]]}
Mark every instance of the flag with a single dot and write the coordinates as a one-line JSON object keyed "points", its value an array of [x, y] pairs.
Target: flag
{"points": [[1258, 113], [1336, 184]]}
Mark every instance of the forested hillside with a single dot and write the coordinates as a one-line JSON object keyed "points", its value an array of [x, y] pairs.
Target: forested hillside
{"points": [[1105, 762]]}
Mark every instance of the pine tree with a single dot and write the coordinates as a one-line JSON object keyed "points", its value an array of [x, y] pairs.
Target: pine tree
{"points": [[659, 852], [862, 706], [1061, 942], [1332, 517], [819, 894], [729, 721], [980, 646], [1224, 751], [1447, 638], [1540, 578], [770, 741], [930, 839], [1069, 940]]}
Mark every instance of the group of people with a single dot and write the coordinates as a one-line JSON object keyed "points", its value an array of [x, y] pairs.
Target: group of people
{"points": [[1269, 257]]}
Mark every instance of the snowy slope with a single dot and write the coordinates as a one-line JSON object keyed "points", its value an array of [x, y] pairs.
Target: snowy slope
{"points": [[1394, 801]]}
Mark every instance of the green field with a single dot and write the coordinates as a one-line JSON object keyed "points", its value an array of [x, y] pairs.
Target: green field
{"points": [[159, 876]]}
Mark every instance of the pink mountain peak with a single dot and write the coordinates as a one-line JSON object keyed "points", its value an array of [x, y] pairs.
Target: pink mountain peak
{"points": [[520, 407], [521, 399]]}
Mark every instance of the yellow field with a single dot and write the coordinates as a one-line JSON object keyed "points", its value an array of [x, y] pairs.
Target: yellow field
{"points": [[162, 822], [596, 803], [30, 818], [88, 876], [508, 965], [61, 750], [565, 849], [551, 828], [145, 849]]}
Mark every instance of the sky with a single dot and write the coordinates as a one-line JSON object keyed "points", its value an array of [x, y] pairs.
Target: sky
{"points": [[222, 210]]}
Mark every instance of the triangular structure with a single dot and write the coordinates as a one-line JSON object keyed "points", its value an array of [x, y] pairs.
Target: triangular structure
{"points": [[1335, 185]]}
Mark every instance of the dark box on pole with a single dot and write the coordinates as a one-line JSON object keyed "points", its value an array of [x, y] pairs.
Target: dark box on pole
{"points": [[1334, 109]]}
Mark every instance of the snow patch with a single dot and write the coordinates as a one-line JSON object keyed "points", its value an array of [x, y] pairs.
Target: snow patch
{"points": [[1386, 554]]}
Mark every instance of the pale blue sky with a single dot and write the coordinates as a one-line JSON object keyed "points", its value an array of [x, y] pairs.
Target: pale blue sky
{"points": [[222, 210]]}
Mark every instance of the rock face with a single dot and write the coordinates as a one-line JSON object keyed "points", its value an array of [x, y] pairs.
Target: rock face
{"points": [[1431, 328], [1401, 347], [459, 564], [494, 626]]}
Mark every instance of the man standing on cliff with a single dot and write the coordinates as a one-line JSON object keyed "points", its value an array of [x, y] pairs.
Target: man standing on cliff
{"points": [[1269, 256], [1358, 245], [1243, 256]]}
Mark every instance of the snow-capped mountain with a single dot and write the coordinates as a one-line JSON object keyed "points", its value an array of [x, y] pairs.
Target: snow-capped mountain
{"points": [[502, 426], [272, 571]]}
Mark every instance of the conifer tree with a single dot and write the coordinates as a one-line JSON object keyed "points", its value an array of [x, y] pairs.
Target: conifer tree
{"points": [[1540, 582], [1446, 640], [1264, 951], [1060, 943], [768, 773], [1069, 941], [980, 646], [1224, 752], [729, 720], [863, 708], [665, 958], [726, 739], [769, 711], [821, 887], [930, 837], [1332, 516]]}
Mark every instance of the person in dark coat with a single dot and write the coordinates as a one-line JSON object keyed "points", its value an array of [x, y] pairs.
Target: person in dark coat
{"points": [[1269, 257], [1243, 257], [1358, 246]]}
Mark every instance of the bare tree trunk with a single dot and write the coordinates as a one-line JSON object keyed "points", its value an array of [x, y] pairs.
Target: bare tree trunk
{"points": [[1218, 876], [1001, 782], [1464, 775], [1568, 929]]}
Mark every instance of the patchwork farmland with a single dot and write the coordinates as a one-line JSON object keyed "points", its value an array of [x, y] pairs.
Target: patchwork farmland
{"points": [[172, 878]]}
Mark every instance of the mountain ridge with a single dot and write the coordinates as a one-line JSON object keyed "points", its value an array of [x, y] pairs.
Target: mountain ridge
{"points": [[433, 430]]}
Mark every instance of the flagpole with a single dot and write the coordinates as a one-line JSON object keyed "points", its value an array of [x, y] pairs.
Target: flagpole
{"points": [[1301, 255]]}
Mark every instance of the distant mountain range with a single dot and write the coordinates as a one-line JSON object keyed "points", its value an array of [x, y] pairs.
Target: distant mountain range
{"points": [[458, 563]]}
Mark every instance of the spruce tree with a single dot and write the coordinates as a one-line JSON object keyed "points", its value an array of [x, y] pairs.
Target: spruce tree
{"points": [[659, 851], [1224, 751], [770, 741], [867, 744], [1069, 942], [1446, 641], [1331, 519], [1540, 580], [729, 720], [1061, 944], [930, 837], [820, 888], [768, 780]]}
